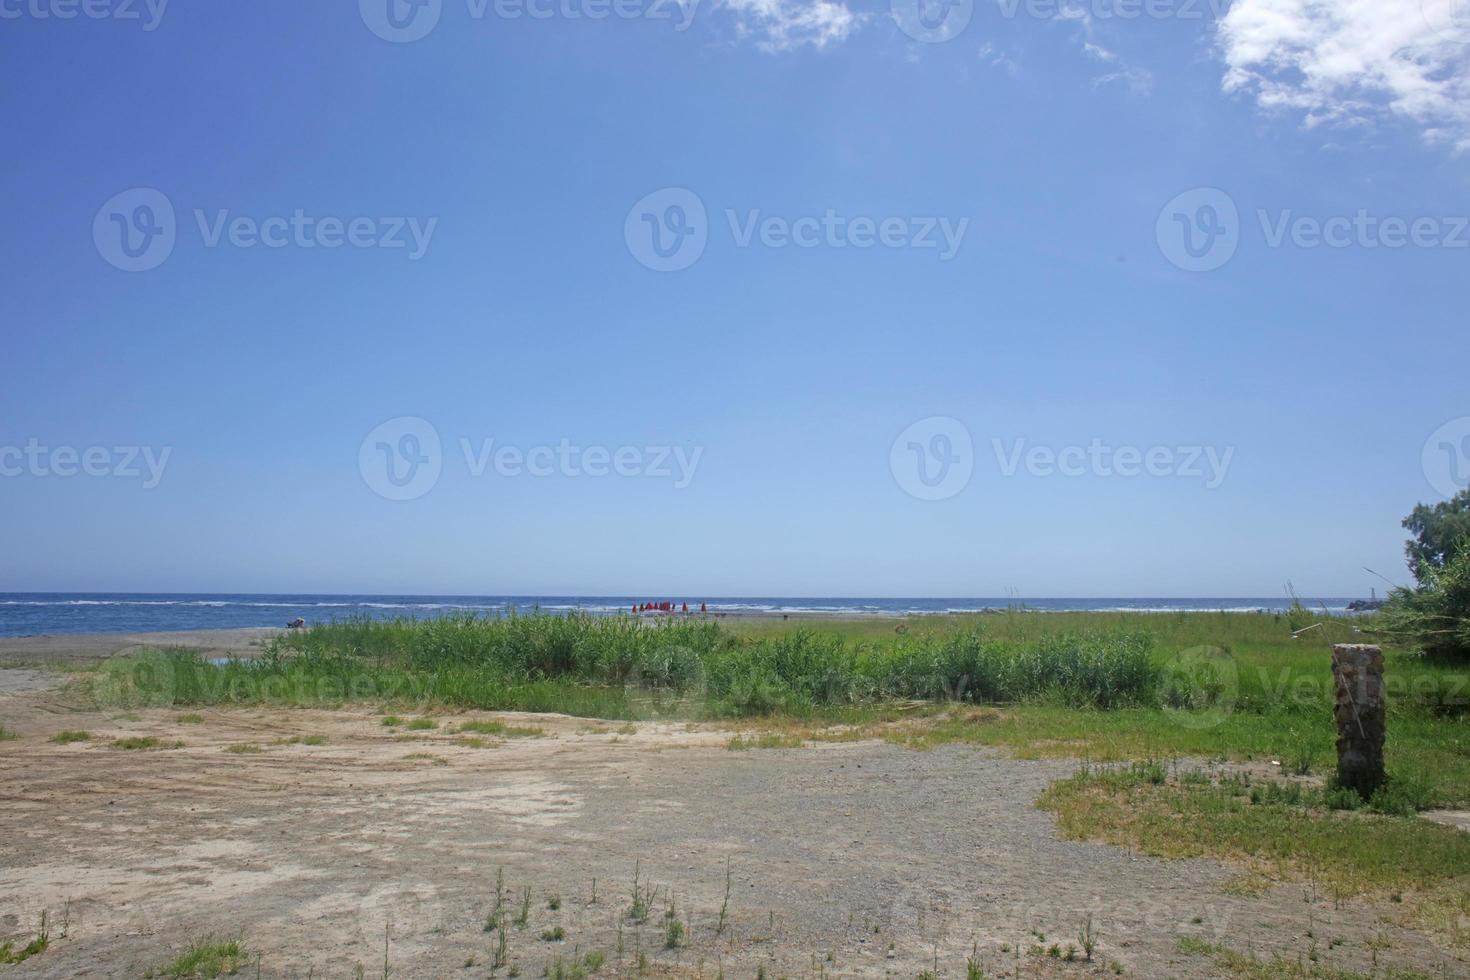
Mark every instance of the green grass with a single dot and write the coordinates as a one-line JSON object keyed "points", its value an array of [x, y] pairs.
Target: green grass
{"points": [[6, 734], [302, 740], [69, 736], [1251, 967], [769, 740], [1281, 830], [191, 719], [10, 955], [244, 748], [1096, 685], [503, 730], [144, 742], [206, 959], [422, 724]]}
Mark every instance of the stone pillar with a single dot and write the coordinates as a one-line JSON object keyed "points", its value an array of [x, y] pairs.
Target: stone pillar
{"points": [[1357, 673]]}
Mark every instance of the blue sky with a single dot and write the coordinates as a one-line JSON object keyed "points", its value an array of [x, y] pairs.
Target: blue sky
{"points": [[519, 146]]}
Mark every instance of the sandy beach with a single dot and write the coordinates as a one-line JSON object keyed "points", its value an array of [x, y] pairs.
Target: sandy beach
{"points": [[82, 648]]}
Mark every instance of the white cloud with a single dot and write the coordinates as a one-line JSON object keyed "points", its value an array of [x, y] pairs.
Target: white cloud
{"points": [[785, 25], [999, 59], [1351, 61], [1139, 81]]}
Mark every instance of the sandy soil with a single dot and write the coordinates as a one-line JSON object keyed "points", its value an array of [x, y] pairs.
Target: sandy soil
{"points": [[846, 858], [80, 648]]}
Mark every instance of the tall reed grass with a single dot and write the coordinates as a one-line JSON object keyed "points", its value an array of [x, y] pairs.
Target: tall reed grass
{"points": [[612, 666]]}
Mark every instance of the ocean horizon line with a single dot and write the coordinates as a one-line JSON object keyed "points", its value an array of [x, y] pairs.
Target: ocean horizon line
{"points": [[45, 613]]}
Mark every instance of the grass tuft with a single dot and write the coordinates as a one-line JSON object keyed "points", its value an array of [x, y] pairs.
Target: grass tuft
{"points": [[770, 740], [144, 742], [501, 729], [206, 959]]}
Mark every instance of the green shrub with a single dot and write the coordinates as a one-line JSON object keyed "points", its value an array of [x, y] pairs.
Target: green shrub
{"points": [[1435, 616]]}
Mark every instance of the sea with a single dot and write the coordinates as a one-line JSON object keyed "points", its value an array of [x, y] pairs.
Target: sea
{"points": [[36, 613]]}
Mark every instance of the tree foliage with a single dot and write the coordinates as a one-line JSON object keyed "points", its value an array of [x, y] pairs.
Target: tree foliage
{"points": [[1440, 532], [1435, 616]]}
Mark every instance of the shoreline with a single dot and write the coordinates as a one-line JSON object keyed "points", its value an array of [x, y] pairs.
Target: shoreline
{"points": [[84, 648]]}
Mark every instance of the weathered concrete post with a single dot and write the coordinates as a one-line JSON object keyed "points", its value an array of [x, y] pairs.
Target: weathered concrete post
{"points": [[1357, 672]]}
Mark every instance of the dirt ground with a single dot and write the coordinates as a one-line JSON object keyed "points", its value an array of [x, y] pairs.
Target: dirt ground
{"points": [[845, 858], [83, 648]]}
